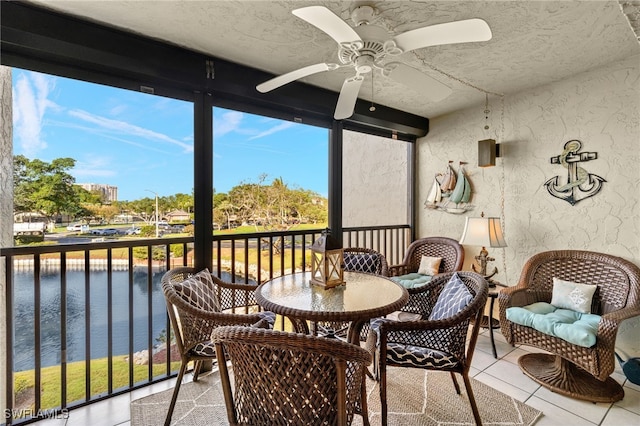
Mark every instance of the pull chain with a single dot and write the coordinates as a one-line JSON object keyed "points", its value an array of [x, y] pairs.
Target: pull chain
{"points": [[372, 107]]}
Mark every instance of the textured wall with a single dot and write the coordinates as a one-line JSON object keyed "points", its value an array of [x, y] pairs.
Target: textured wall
{"points": [[6, 201], [601, 108]]}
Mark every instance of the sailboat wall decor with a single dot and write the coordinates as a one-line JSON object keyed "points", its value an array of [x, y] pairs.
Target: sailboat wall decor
{"points": [[451, 193]]}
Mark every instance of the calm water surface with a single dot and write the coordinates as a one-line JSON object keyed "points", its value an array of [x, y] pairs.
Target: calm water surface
{"points": [[50, 317]]}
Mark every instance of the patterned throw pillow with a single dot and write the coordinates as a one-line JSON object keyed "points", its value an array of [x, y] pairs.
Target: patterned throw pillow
{"points": [[453, 298], [573, 296], [429, 265], [199, 291], [362, 262]]}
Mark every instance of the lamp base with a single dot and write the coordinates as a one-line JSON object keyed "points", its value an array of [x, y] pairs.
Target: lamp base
{"points": [[482, 259]]}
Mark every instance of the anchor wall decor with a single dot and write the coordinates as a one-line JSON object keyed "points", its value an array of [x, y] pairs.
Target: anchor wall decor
{"points": [[580, 183]]}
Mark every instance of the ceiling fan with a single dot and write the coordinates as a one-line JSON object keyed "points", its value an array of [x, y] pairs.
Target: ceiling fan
{"points": [[367, 47]]}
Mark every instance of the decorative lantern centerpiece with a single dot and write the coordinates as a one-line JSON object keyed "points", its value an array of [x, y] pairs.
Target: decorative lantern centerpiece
{"points": [[326, 262]]}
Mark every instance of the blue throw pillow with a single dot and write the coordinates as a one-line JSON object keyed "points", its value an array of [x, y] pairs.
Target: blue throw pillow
{"points": [[453, 298], [362, 262]]}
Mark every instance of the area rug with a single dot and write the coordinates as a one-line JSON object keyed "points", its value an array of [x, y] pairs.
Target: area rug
{"points": [[415, 397]]}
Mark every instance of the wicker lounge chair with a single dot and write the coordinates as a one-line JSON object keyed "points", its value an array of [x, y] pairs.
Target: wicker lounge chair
{"points": [[571, 369], [432, 344], [288, 378], [197, 304], [451, 252]]}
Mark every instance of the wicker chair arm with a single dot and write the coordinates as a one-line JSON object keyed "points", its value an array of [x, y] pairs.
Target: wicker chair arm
{"points": [[521, 296], [233, 285], [615, 318], [397, 270], [225, 318]]}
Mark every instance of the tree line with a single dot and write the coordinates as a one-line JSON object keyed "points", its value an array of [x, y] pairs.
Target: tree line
{"points": [[49, 189]]}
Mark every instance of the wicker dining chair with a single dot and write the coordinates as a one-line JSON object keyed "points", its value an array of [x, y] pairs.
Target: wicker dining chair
{"points": [[197, 303], [439, 340], [356, 259], [448, 249], [289, 378], [570, 369]]}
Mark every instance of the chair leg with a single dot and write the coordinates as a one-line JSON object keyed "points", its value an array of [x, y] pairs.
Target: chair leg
{"points": [[455, 382], [382, 373], [472, 399], [197, 365], [174, 397], [364, 408]]}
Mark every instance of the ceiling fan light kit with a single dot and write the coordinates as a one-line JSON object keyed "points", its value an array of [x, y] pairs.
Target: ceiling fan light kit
{"points": [[368, 46]]}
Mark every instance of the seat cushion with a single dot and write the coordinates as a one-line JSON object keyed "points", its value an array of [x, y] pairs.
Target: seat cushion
{"points": [[419, 357], [207, 348], [452, 299], [412, 280], [574, 327], [410, 355], [267, 320], [199, 290], [362, 262]]}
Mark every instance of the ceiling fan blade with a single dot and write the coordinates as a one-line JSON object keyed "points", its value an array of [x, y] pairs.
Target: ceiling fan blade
{"points": [[417, 80], [469, 30], [348, 97], [329, 22], [283, 79]]}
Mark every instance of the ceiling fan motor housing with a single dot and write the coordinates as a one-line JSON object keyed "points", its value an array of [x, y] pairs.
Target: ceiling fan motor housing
{"points": [[372, 44]]}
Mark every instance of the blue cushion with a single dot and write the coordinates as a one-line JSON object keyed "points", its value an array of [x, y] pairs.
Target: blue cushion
{"points": [[571, 326], [453, 298], [412, 280]]}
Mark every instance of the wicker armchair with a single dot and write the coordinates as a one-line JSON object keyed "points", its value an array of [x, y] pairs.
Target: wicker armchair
{"points": [[196, 308], [288, 378], [572, 370], [451, 252], [431, 344]]}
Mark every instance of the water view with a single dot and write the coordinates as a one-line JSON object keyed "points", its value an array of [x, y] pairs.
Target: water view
{"points": [[50, 312]]}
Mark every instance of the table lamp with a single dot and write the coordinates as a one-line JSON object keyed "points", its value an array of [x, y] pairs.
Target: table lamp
{"points": [[485, 232]]}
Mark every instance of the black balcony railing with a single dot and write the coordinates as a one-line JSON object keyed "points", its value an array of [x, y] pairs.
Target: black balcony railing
{"points": [[92, 315]]}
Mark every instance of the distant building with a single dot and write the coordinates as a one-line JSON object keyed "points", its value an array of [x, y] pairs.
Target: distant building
{"points": [[109, 193], [177, 216]]}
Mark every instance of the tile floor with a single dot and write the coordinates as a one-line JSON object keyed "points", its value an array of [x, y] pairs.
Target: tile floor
{"points": [[502, 373]]}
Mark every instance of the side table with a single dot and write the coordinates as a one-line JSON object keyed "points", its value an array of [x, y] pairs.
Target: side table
{"points": [[488, 321]]}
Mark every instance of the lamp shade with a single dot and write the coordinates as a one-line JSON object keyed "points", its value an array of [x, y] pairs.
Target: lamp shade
{"points": [[483, 231]]}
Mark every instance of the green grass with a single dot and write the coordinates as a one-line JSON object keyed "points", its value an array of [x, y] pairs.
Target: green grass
{"points": [[51, 383]]}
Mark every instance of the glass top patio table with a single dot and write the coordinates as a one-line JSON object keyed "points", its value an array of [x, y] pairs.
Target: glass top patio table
{"points": [[362, 297]]}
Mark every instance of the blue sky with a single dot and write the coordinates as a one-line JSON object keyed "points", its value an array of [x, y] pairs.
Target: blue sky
{"points": [[140, 142]]}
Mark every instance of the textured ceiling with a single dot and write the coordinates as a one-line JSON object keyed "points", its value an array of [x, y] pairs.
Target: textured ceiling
{"points": [[534, 42]]}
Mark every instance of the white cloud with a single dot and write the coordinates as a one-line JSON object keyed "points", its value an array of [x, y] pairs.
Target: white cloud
{"points": [[227, 122], [30, 103], [275, 129], [121, 127], [118, 110]]}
